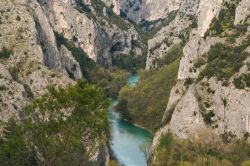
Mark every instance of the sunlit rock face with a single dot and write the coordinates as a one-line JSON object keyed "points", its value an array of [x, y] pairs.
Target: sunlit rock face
{"points": [[229, 105], [189, 11], [138, 10]]}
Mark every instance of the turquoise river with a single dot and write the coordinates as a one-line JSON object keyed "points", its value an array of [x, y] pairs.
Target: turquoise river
{"points": [[129, 144]]}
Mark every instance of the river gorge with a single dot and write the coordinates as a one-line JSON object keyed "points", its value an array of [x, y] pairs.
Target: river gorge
{"points": [[129, 144]]}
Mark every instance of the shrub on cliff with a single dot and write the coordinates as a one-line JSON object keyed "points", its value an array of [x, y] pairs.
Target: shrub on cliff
{"points": [[5, 53], [223, 61]]}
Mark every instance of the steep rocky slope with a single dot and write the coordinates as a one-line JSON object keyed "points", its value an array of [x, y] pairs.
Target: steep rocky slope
{"points": [[46, 43], [212, 90], [31, 57], [90, 26], [144, 10], [27, 64]]}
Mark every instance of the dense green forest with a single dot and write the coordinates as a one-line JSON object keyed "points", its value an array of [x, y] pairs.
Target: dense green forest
{"points": [[62, 127]]}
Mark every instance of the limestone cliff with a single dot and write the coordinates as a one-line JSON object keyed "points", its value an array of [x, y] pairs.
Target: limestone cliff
{"points": [[210, 102], [30, 58], [149, 10]]}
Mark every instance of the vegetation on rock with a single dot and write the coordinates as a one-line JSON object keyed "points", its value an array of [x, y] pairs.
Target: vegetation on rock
{"points": [[5, 53], [223, 61], [205, 148], [225, 21], [129, 62], [86, 64], [172, 54], [60, 128]]}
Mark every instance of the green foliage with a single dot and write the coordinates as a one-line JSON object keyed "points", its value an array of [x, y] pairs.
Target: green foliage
{"points": [[5, 53], [129, 62], [171, 55], [238, 83], [122, 107], [16, 70], [113, 163], [143, 29], [199, 62], [242, 81], [194, 21], [205, 149], [188, 81], [247, 80], [99, 5], [13, 149], [236, 32], [146, 102], [3, 88], [60, 128], [111, 80], [245, 163], [223, 61], [207, 117], [225, 20], [18, 18], [194, 24], [166, 141], [157, 24]]}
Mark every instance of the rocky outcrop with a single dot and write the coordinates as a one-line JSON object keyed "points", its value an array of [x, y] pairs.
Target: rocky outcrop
{"points": [[73, 25], [196, 15], [69, 63], [186, 115], [229, 107], [114, 4], [99, 38], [10, 105], [149, 10], [242, 12], [30, 59], [207, 104], [206, 13], [46, 37], [26, 73], [193, 50]]}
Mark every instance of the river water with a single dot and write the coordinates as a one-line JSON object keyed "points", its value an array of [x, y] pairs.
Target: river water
{"points": [[129, 144]]}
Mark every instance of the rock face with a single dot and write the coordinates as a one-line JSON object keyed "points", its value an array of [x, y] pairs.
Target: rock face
{"points": [[31, 60], [194, 49], [191, 14], [46, 37], [242, 12], [69, 63], [94, 34], [26, 74], [139, 10], [28, 29], [10, 105], [189, 104], [69, 22]]}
